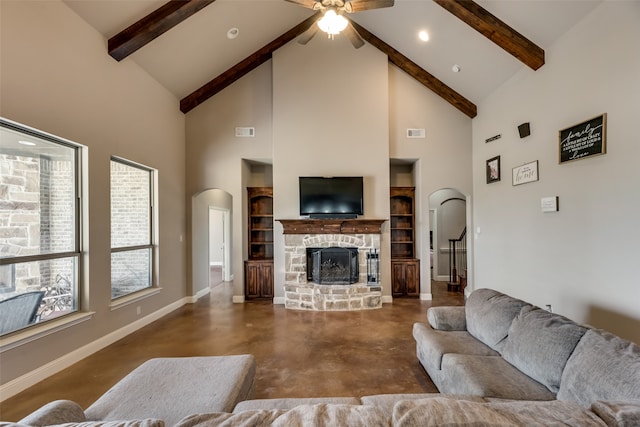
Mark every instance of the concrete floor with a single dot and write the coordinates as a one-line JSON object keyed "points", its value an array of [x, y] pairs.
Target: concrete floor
{"points": [[298, 353]]}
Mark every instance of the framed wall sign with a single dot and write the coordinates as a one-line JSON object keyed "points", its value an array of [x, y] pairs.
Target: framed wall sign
{"points": [[585, 139], [525, 173], [493, 169]]}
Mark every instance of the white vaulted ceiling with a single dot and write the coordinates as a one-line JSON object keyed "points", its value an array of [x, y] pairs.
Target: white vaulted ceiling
{"points": [[197, 50]]}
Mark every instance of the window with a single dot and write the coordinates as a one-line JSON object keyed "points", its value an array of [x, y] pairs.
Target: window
{"points": [[132, 255], [39, 226]]}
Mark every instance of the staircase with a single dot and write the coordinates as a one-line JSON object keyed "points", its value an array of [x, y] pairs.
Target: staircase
{"points": [[458, 263]]}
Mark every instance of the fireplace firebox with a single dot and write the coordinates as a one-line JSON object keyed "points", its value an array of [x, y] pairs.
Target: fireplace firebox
{"points": [[332, 265]]}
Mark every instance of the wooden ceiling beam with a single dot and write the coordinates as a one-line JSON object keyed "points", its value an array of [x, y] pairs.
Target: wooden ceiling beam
{"points": [[152, 26], [414, 70], [496, 30], [248, 64]]}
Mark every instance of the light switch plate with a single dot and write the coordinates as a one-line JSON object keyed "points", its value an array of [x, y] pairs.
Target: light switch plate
{"points": [[549, 204]]}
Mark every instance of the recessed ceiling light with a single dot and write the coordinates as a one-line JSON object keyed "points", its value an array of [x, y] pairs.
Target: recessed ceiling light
{"points": [[233, 33], [27, 143], [456, 68], [424, 36]]}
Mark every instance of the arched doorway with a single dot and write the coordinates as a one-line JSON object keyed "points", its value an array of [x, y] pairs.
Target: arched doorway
{"points": [[448, 221], [211, 232]]}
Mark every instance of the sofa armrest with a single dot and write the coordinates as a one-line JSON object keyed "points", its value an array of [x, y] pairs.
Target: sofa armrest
{"points": [[447, 318], [56, 412]]}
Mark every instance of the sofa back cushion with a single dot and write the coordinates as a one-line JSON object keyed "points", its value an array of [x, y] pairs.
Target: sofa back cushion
{"points": [[321, 414], [489, 314], [451, 412], [602, 367], [539, 344]]}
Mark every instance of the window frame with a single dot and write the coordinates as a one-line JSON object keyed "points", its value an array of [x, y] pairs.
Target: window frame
{"points": [[77, 254], [152, 245]]}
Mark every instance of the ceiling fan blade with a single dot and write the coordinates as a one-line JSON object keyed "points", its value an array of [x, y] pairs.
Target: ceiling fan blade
{"points": [[353, 36], [308, 35], [360, 5], [311, 4]]}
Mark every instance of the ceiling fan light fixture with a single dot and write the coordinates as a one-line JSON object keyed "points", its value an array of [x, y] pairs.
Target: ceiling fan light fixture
{"points": [[332, 23]]}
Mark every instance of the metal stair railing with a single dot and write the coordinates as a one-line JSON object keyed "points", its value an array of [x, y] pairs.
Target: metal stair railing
{"points": [[458, 263]]}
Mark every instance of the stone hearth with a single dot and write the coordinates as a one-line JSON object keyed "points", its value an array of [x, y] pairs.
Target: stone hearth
{"points": [[302, 294]]}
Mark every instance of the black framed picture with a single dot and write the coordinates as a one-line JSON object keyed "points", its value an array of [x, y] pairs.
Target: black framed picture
{"points": [[493, 169], [585, 139]]}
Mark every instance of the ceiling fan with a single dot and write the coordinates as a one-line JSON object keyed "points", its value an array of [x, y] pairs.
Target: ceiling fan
{"points": [[332, 20]]}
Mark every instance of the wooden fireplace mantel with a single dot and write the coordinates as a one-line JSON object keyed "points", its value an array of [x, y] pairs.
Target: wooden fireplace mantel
{"points": [[331, 226]]}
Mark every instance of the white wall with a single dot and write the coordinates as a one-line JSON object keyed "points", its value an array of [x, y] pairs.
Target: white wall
{"points": [[56, 76], [215, 156], [326, 109], [330, 115], [582, 260], [442, 159]]}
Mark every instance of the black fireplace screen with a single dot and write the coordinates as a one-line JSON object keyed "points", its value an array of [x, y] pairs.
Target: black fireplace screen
{"points": [[332, 266]]}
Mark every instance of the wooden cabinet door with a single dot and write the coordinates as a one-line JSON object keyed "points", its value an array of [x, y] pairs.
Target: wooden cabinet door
{"points": [[252, 280], [266, 271], [405, 278], [412, 278], [258, 279], [398, 286]]}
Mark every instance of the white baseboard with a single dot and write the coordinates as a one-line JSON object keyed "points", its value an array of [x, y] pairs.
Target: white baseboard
{"points": [[442, 278], [199, 294], [27, 380], [238, 299], [426, 297], [387, 299], [278, 300]]}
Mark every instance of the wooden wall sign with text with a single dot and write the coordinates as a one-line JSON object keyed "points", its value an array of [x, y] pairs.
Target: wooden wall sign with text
{"points": [[585, 139]]}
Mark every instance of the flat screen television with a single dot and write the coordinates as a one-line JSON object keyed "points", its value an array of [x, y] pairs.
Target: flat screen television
{"points": [[331, 197]]}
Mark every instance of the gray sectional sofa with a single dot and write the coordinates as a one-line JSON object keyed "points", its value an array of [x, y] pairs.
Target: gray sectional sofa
{"points": [[501, 347], [498, 361]]}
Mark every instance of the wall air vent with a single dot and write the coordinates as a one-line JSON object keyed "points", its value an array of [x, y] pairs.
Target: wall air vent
{"points": [[244, 132], [415, 133]]}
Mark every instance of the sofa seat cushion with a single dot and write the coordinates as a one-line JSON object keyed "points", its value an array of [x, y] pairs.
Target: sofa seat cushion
{"points": [[319, 415], [440, 411], [435, 344], [172, 388], [618, 413], [386, 402], [148, 422], [539, 344], [255, 418], [489, 314], [489, 376], [292, 402], [602, 367]]}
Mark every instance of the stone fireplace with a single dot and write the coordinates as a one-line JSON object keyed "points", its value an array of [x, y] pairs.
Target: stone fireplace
{"points": [[326, 264]]}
